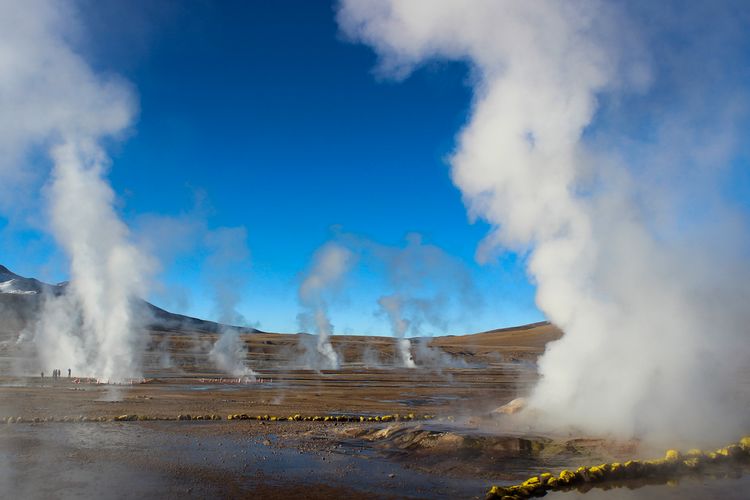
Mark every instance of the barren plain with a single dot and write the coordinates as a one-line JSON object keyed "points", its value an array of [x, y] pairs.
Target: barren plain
{"points": [[366, 430]]}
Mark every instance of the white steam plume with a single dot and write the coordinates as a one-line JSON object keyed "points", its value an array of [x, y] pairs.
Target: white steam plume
{"points": [[52, 101], [431, 288], [330, 263], [229, 254], [391, 305], [634, 253], [229, 353]]}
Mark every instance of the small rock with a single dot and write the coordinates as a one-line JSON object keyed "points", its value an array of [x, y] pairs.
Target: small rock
{"points": [[511, 408]]}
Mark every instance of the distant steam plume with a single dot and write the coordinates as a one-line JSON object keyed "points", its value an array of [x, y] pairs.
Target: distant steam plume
{"points": [[431, 289], [610, 172], [229, 255], [330, 263], [392, 305], [53, 102]]}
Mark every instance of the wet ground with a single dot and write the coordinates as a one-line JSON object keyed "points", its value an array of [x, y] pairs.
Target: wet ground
{"points": [[458, 454], [226, 460], [158, 460]]}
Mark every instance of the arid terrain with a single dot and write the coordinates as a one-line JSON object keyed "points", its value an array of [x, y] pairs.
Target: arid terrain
{"points": [[392, 433]]}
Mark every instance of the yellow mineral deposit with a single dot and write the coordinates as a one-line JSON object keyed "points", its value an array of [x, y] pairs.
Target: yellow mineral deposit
{"points": [[673, 465]]}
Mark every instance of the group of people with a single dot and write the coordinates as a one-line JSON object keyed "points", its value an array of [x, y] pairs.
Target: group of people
{"points": [[56, 374]]}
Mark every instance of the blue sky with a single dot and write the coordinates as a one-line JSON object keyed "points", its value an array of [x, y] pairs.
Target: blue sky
{"points": [[259, 115]]}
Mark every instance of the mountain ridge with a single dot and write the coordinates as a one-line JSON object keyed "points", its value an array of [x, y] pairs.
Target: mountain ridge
{"points": [[21, 299], [19, 309]]}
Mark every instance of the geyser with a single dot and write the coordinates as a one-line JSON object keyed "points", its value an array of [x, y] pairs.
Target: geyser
{"points": [[229, 254], [391, 305], [598, 144], [330, 263], [430, 289], [53, 101]]}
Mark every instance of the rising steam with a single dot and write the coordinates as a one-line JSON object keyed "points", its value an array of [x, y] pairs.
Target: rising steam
{"points": [[431, 289], [53, 101], [330, 263], [635, 253], [229, 253], [392, 306]]}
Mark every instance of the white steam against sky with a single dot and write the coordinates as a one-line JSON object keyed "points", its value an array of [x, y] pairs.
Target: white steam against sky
{"points": [[330, 264], [648, 282], [53, 102], [392, 305], [428, 289], [229, 255]]}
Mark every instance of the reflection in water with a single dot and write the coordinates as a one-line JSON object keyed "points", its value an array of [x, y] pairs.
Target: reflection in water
{"points": [[732, 484]]}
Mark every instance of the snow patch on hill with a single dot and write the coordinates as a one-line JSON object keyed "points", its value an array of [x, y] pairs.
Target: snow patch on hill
{"points": [[12, 286]]}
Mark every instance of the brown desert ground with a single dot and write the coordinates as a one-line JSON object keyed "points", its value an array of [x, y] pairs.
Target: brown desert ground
{"points": [[390, 432]]}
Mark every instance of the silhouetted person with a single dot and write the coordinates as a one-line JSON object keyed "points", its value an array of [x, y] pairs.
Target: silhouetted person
{"points": [[68, 372], [42, 374]]}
